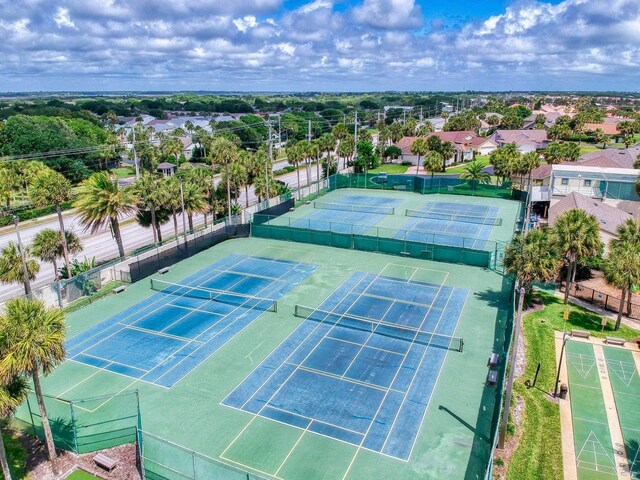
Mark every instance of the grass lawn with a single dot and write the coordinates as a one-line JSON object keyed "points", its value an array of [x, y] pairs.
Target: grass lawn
{"points": [[17, 456], [390, 168], [539, 452], [584, 149], [81, 475], [123, 172], [483, 159]]}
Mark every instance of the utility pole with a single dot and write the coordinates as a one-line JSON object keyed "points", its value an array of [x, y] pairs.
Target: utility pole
{"points": [[184, 225], [266, 163], [512, 369], [309, 132], [25, 270], [135, 154], [420, 112]]}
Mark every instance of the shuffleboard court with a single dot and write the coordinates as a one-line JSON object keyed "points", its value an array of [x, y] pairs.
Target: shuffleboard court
{"points": [[595, 457], [625, 381], [362, 366], [162, 338]]}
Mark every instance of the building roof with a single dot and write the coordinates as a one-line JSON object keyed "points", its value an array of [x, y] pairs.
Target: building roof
{"points": [[537, 138], [463, 140], [611, 157], [607, 128], [609, 217], [166, 166], [543, 171]]}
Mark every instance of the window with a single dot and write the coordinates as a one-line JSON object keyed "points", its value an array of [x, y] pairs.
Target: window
{"points": [[564, 181], [587, 183]]}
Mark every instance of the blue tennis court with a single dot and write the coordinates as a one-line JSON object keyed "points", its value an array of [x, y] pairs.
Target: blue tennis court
{"points": [[162, 338], [330, 217], [362, 366], [449, 223]]}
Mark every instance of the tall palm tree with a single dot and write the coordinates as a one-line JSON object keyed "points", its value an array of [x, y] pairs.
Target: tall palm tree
{"points": [[474, 173], [224, 152], [577, 235], [51, 188], [12, 394], [101, 200], [294, 157], [195, 200], [346, 150], [419, 148], [254, 165], [447, 150], [628, 239], [32, 343], [432, 162], [327, 143], [532, 257], [204, 179], [47, 246], [622, 270], [263, 188], [150, 195], [11, 269], [172, 199]]}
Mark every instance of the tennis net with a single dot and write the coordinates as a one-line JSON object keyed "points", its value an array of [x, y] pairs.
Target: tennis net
{"points": [[391, 330], [222, 296], [354, 208], [456, 217]]}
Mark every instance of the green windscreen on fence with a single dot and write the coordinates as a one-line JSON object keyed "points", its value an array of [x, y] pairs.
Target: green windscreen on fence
{"points": [[424, 185], [379, 240], [87, 425]]}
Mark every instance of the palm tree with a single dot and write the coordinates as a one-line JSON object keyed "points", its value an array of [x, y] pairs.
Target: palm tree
{"points": [[47, 246], [195, 200], [149, 194], [11, 269], [224, 152], [101, 200], [172, 199], [447, 150], [577, 235], [346, 150], [432, 162], [295, 155], [32, 343], [532, 257], [622, 270], [628, 239], [204, 179], [262, 188], [51, 188], [474, 173], [12, 394], [419, 148], [327, 144], [253, 164]]}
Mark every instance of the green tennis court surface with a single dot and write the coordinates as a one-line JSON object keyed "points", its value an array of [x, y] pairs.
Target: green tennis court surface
{"points": [[594, 452], [389, 347], [623, 375]]}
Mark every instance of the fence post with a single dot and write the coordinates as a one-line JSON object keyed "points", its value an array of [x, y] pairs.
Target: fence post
{"points": [[74, 427]]}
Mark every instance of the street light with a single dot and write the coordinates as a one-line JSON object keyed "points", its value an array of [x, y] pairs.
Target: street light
{"points": [[25, 270], [565, 337]]}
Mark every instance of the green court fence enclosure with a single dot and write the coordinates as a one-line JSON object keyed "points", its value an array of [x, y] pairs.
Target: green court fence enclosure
{"points": [[380, 240], [87, 425]]}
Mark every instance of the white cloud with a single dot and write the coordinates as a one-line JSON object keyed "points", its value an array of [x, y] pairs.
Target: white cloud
{"points": [[244, 24], [63, 19], [393, 14]]}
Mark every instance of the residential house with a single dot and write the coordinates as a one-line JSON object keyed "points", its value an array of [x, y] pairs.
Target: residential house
{"points": [[525, 140], [437, 123], [609, 217], [466, 144], [187, 147], [610, 129], [485, 126], [166, 169]]}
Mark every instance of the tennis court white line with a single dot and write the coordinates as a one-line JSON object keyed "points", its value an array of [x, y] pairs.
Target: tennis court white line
{"points": [[311, 420], [356, 343], [289, 376], [383, 400]]}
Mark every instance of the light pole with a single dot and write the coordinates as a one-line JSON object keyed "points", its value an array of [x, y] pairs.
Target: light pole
{"points": [[512, 369], [25, 270], [565, 337]]}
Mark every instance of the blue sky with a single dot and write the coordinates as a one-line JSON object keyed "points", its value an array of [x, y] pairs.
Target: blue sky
{"points": [[320, 45]]}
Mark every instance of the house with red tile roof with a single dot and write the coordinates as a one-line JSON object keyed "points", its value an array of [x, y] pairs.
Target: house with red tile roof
{"points": [[466, 143], [525, 140]]}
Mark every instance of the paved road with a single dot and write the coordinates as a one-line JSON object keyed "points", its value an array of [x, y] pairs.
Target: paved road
{"points": [[101, 244]]}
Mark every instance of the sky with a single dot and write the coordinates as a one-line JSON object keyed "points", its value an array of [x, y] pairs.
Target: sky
{"points": [[319, 45]]}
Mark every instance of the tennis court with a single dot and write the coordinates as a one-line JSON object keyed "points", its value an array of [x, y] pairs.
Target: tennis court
{"points": [[361, 367], [162, 338], [352, 214], [455, 224]]}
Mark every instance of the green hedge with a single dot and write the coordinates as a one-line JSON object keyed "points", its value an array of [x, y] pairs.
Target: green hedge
{"points": [[32, 213]]}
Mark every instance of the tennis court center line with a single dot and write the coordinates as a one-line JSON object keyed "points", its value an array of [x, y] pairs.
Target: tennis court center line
{"points": [[346, 473], [290, 375], [355, 343], [225, 328]]}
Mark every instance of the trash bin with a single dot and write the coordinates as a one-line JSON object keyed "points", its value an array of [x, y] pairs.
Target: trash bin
{"points": [[563, 390]]}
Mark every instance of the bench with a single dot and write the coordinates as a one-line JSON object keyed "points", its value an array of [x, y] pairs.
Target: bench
{"points": [[163, 270], [105, 462], [493, 360], [119, 289], [580, 333], [615, 341], [493, 377]]}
